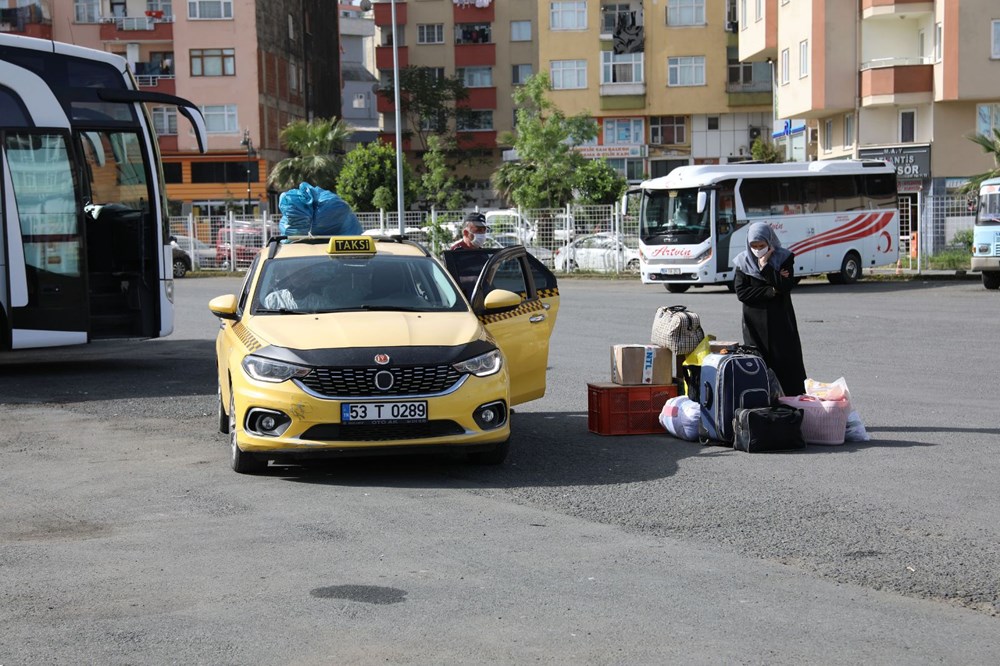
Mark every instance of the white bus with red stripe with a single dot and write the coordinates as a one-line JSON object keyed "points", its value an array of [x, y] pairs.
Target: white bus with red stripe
{"points": [[838, 217]]}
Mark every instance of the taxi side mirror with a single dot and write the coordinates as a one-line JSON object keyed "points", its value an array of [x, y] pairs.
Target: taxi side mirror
{"points": [[501, 298], [223, 307]]}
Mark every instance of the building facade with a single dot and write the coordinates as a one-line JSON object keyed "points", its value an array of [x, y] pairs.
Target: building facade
{"points": [[902, 80], [252, 66], [357, 68]]}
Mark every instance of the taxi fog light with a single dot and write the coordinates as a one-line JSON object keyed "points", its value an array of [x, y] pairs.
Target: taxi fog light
{"points": [[491, 415], [268, 370], [483, 365], [266, 422]]}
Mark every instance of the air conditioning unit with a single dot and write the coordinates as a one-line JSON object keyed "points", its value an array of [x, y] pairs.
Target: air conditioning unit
{"points": [[732, 26], [753, 133]]}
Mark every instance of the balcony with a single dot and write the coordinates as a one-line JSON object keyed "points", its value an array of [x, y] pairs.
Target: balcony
{"points": [[27, 21], [384, 104], [480, 98], [467, 12], [874, 8], [611, 16], [137, 29], [383, 13], [475, 55], [476, 140], [161, 83], [888, 81], [383, 57]]}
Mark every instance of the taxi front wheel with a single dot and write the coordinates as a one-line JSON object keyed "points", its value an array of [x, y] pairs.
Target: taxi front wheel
{"points": [[494, 456], [242, 462], [221, 410]]}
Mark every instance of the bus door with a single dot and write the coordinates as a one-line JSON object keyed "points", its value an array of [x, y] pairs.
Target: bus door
{"points": [[725, 226]]}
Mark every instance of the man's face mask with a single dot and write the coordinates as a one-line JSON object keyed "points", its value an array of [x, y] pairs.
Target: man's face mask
{"points": [[478, 239]]}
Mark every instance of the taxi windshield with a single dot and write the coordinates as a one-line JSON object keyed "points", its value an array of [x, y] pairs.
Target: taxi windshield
{"points": [[341, 283]]}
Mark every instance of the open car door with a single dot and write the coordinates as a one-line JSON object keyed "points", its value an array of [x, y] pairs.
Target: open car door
{"points": [[522, 331]]}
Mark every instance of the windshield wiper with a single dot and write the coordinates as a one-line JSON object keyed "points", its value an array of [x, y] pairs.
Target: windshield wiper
{"points": [[283, 311], [389, 308]]}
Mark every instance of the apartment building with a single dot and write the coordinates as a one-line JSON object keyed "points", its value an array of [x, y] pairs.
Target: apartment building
{"points": [[903, 80], [357, 69], [663, 79], [491, 44], [252, 66]]}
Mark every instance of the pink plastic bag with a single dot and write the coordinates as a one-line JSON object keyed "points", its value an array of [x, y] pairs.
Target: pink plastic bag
{"points": [[823, 421]]}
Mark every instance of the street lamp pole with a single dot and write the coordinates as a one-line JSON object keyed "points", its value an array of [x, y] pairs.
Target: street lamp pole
{"points": [[248, 142], [399, 128]]}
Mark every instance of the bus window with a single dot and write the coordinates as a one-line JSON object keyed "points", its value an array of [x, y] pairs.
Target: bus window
{"points": [[880, 188], [674, 213], [756, 196], [725, 211]]}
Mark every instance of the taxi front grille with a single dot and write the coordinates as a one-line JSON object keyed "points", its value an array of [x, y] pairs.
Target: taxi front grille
{"points": [[381, 432], [361, 382]]}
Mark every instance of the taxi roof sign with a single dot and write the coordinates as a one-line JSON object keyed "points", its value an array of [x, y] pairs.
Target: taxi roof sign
{"points": [[351, 245]]}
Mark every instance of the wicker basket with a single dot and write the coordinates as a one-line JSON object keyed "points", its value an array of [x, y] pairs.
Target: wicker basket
{"points": [[823, 421]]}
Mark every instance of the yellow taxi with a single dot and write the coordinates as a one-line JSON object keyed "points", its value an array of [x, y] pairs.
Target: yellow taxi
{"points": [[361, 345]]}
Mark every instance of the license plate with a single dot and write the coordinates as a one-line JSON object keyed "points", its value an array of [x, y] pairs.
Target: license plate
{"points": [[670, 271], [384, 412]]}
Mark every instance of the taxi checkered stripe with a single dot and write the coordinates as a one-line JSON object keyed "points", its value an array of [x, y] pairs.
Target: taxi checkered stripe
{"points": [[523, 308], [246, 337], [547, 293]]}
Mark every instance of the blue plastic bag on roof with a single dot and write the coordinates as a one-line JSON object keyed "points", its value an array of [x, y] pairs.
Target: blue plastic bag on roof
{"points": [[310, 210]]}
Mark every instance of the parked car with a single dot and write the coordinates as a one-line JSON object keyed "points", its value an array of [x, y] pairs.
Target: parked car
{"points": [[182, 261], [597, 252], [249, 240], [509, 221], [201, 253], [543, 254]]}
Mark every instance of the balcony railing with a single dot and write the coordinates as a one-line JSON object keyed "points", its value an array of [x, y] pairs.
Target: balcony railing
{"points": [[878, 63], [136, 22], [152, 79], [748, 87]]}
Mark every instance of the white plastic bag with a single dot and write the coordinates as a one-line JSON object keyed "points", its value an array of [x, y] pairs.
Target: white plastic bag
{"points": [[835, 390], [680, 416], [856, 431]]}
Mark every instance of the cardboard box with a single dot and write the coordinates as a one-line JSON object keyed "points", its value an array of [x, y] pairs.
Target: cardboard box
{"points": [[634, 365], [717, 346]]}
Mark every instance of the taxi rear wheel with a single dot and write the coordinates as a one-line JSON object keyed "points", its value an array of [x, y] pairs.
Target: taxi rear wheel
{"points": [[494, 456], [242, 462]]}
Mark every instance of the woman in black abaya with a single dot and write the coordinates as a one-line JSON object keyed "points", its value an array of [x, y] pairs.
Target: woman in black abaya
{"points": [[765, 275]]}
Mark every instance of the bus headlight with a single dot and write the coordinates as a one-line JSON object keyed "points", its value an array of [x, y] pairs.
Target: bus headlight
{"points": [[983, 249], [268, 370], [704, 256]]}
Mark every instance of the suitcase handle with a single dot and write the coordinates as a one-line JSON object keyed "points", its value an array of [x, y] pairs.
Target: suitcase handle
{"points": [[706, 395]]}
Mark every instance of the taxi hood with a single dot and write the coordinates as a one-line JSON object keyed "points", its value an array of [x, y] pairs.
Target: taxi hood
{"points": [[342, 330]]}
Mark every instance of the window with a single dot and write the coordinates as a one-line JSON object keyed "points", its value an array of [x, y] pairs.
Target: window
{"points": [[922, 44], [430, 33], [476, 77], [213, 62], [827, 136], [627, 131], [568, 74], [713, 123], [473, 121], [632, 169], [210, 9], [987, 118], [520, 31], [803, 58], [621, 68], [686, 12], [164, 120], [907, 126], [758, 10], [220, 118], [849, 130], [613, 12], [293, 77], [744, 17], [222, 172], [686, 71], [670, 129], [995, 39], [291, 28], [165, 6], [473, 33], [87, 11], [784, 67], [520, 74], [568, 15], [938, 39]]}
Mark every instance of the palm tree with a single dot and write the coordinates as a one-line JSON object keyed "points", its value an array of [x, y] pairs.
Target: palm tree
{"points": [[317, 154], [990, 145]]}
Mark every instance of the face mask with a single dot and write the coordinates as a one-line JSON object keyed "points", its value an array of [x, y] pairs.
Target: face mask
{"points": [[759, 252], [478, 239]]}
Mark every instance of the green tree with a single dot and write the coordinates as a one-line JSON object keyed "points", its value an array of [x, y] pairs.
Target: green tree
{"points": [[765, 151], [544, 175], [317, 154], [428, 103], [991, 146], [438, 184], [598, 183], [368, 178]]}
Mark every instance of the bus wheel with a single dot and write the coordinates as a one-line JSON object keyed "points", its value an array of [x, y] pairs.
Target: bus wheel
{"points": [[850, 269], [677, 288], [242, 462], [991, 279]]}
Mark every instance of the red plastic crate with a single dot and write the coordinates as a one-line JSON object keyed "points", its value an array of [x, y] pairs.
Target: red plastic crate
{"points": [[613, 409]]}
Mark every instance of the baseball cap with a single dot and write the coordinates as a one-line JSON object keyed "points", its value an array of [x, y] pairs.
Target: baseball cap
{"points": [[477, 219]]}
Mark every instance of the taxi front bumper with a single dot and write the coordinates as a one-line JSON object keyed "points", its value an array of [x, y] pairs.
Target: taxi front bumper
{"points": [[307, 425]]}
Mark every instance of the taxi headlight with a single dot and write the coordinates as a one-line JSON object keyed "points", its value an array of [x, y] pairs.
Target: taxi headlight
{"points": [[268, 370], [483, 365]]}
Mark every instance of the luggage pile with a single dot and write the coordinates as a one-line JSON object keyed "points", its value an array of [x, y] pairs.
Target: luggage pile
{"points": [[729, 397]]}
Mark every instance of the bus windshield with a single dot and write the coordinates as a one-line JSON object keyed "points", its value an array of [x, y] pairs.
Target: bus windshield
{"points": [[989, 209], [672, 217]]}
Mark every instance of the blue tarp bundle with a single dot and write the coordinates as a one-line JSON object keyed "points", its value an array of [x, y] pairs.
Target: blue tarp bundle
{"points": [[313, 211]]}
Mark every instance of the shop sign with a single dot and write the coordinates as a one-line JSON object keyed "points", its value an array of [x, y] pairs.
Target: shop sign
{"points": [[611, 152], [910, 161]]}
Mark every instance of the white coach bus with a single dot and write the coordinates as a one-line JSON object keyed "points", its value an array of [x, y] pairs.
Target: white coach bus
{"points": [[84, 246], [838, 217]]}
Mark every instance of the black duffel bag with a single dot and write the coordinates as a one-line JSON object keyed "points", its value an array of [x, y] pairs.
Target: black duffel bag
{"points": [[763, 429]]}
